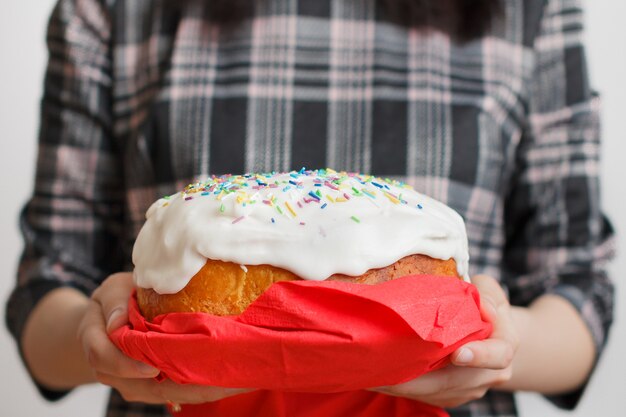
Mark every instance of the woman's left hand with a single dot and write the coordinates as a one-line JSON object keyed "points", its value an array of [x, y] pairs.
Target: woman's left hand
{"points": [[477, 366]]}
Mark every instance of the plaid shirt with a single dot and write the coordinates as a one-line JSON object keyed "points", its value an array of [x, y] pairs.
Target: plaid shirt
{"points": [[143, 97]]}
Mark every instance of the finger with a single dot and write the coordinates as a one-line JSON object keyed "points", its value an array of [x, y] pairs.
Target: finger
{"points": [[491, 354], [133, 390], [424, 386], [153, 392], [113, 296], [102, 354], [491, 294], [196, 394], [450, 379], [497, 307]]}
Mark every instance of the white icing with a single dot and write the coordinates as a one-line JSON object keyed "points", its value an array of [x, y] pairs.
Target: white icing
{"points": [[347, 237]]}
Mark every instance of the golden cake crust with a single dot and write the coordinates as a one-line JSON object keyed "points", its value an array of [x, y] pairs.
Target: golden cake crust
{"points": [[226, 288]]}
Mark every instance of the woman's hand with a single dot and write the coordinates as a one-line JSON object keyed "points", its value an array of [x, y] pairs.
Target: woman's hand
{"points": [[476, 366], [107, 311]]}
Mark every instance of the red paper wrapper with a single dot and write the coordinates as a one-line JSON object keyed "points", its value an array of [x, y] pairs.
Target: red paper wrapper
{"points": [[290, 404], [313, 337]]}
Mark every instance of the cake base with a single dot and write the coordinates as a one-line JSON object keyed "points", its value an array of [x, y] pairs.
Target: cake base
{"points": [[226, 288]]}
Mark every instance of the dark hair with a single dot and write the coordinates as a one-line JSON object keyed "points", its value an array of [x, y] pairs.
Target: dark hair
{"points": [[463, 20]]}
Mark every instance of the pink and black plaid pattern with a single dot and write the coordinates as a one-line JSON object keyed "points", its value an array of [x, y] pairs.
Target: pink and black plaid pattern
{"points": [[143, 97]]}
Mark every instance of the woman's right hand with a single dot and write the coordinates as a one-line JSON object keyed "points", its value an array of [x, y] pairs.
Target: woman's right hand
{"points": [[107, 311]]}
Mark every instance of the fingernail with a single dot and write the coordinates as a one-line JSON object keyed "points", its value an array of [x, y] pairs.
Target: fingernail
{"points": [[464, 356], [147, 369], [114, 315]]}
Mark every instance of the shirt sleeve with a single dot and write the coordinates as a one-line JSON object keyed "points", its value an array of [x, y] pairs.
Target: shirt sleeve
{"points": [[72, 223], [557, 239]]}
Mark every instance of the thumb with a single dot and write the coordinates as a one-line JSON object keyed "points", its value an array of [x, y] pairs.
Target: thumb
{"points": [[113, 295], [492, 296], [116, 319]]}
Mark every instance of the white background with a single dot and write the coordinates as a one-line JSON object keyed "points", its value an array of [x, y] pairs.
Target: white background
{"points": [[22, 60]]}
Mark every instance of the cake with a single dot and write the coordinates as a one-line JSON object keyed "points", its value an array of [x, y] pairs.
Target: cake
{"points": [[218, 244]]}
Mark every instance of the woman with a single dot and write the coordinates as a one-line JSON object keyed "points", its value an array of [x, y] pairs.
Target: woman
{"points": [[485, 107]]}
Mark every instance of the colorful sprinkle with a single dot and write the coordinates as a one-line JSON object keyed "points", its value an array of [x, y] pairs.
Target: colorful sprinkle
{"points": [[238, 219], [367, 193], [391, 197], [331, 186], [324, 184], [314, 195], [290, 208]]}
